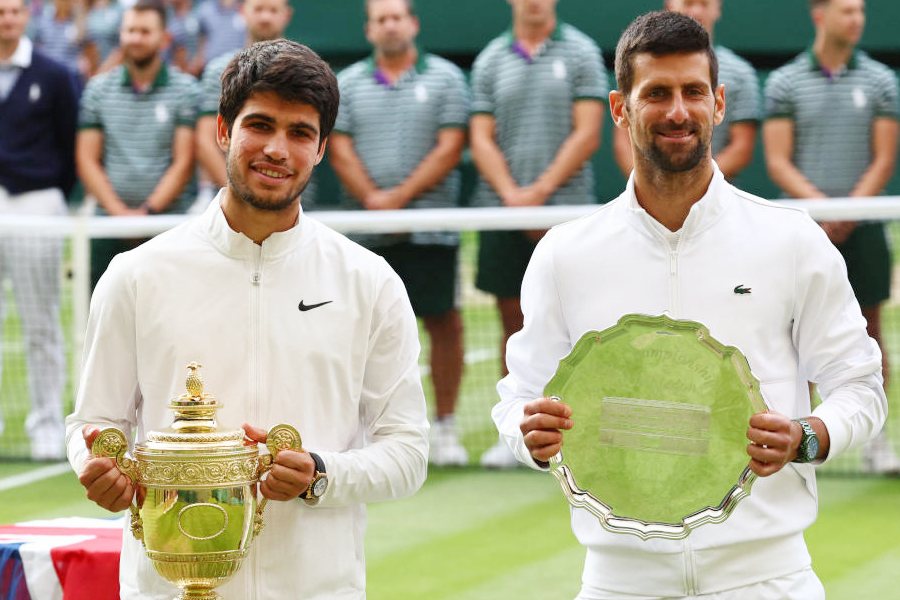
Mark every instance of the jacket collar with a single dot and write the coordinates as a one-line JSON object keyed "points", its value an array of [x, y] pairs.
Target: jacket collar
{"points": [[237, 245], [21, 58], [703, 214]]}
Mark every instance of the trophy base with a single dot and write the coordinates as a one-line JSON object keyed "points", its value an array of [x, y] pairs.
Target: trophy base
{"points": [[198, 594]]}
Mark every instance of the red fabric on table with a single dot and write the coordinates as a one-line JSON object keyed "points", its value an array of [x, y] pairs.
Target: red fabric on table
{"points": [[87, 570]]}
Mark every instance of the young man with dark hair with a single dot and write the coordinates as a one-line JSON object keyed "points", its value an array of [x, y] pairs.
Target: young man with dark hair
{"points": [[733, 141], [831, 131], [39, 107], [681, 237], [266, 20], [400, 133], [135, 145], [293, 324]]}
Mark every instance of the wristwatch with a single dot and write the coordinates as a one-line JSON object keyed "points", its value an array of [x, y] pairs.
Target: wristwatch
{"points": [[319, 483], [808, 449]]}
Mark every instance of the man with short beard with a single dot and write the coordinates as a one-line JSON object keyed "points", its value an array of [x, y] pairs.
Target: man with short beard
{"points": [[266, 20], [292, 322], [135, 146], [683, 242]]}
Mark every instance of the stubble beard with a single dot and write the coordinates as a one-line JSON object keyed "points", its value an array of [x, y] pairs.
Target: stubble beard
{"points": [[239, 187], [666, 161]]}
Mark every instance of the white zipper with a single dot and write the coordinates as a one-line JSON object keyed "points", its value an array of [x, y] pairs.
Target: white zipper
{"points": [[690, 576], [255, 336], [674, 244]]}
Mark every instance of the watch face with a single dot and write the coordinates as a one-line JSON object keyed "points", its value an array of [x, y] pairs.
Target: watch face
{"points": [[812, 448], [319, 486]]}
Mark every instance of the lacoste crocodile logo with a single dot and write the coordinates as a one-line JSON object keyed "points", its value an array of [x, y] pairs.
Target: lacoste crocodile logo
{"points": [[306, 307], [740, 289]]}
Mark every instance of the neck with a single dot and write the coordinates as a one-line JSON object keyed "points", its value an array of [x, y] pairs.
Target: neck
{"points": [[257, 224], [534, 34], [668, 197], [7, 49], [143, 77], [830, 53], [397, 64]]}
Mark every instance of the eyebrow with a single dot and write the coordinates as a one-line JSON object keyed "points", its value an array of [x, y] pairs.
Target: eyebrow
{"points": [[268, 119]]}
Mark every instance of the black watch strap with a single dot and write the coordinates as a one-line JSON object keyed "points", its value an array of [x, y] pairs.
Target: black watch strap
{"points": [[320, 465]]}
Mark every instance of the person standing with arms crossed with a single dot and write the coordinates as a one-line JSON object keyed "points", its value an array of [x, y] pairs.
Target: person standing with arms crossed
{"points": [[399, 136], [537, 113], [676, 242], [831, 131], [733, 141]]}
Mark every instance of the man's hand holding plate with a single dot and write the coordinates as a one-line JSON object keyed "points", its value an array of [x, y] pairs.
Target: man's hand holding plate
{"points": [[541, 427]]}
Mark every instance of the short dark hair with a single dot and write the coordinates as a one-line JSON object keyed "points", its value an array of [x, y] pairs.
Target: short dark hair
{"points": [[410, 7], [291, 70], [661, 33], [156, 6], [818, 3]]}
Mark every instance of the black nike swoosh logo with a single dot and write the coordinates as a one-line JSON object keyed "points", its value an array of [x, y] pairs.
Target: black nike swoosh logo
{"points": [[306, 307]]}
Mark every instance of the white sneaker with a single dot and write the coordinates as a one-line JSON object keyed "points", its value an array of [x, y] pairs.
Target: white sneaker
{"points": [[499, 456], [879, 457], [446, 451]]}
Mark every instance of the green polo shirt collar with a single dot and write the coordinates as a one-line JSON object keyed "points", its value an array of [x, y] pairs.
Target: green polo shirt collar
{"points": [[161, 79], [420, 67], [814, 64]]}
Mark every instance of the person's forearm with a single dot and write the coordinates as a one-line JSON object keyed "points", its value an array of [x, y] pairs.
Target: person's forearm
{"points": [[170, 186], [571, 157], [209, 155], [738, 153], [492, 166], [874, 180], [97, 184], [433, 169], [350, 169], [789, 178]]}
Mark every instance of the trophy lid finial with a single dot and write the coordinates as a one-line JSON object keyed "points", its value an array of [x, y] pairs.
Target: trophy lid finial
{"points": [[194, 383]]}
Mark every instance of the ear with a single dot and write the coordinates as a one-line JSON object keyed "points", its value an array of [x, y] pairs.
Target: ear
{"points": [[223, 136], [321, 153], [618, 110], [720, 104]]}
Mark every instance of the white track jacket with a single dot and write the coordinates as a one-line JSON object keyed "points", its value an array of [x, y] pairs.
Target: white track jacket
{"points": [[345, 374], [800, 322]]}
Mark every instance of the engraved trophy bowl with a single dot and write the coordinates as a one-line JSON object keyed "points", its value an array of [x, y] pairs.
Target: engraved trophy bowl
{"points": [[661, 411], [195, 505]]}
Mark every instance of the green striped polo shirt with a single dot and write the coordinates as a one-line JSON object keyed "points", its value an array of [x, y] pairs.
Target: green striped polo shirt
{"points": [[741, 95], [833, 115], [531, 100], [211, 83], [395, 125], [138, 129]]}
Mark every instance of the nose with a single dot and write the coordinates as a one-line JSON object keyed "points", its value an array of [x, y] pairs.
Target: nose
{"points": [[677, 111], [276, 147]]}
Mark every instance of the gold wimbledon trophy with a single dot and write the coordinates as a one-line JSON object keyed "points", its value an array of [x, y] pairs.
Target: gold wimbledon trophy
{"points": [[195, 505]]}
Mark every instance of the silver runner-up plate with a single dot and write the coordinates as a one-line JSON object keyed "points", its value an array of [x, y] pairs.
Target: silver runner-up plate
{"points": [[660, 412]]}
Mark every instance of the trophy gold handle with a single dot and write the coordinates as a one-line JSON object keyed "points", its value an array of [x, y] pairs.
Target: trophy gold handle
{"points": [[111, 443], [280, 437]]}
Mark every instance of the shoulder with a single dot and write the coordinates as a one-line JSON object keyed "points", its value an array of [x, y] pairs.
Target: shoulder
{"points": [[217, 65], [353, 72], [345, 254], [577, 37], [874, 67], [733, 62], [104, 81], [773, 216], [179, 78], [443, 66], [798, 64], [493, 50]]}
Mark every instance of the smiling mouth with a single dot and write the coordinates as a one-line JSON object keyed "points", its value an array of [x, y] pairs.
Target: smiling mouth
{"points": [[271, 173]]}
